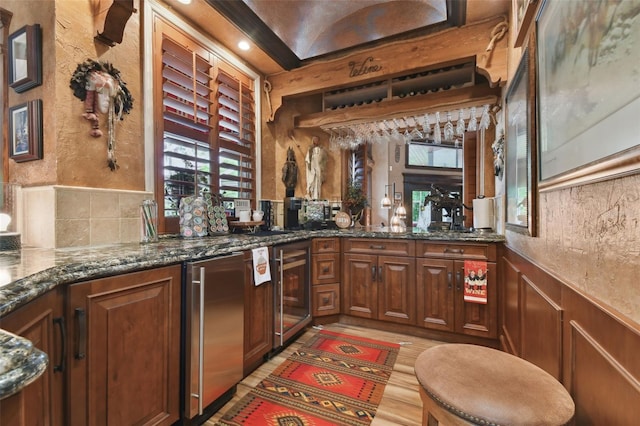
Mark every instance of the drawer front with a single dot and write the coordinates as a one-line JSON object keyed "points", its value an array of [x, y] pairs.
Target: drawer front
{"points": [[388, 247], [457, 250], [325, 268], [326, 299], [325, 245]]}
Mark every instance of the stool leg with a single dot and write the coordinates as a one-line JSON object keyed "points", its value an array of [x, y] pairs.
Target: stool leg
{"points": [[435, 415]]}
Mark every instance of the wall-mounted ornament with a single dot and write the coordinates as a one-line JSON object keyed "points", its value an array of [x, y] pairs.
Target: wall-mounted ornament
{"points": [[100, 87], [115, 18]]}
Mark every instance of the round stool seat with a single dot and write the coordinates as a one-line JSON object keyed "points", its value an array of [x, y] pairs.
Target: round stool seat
{"points": [[487, 386]]}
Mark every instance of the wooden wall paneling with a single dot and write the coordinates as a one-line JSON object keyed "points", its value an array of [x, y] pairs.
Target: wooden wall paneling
{"points": [[541, 329], [601, 365], [510, 308], [605, 391]]}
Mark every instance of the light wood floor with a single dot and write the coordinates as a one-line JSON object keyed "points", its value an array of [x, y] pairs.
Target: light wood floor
{"points": [[400, 405]]}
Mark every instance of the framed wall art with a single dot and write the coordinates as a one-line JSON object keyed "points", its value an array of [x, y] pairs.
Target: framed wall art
{"points": [[25, 58], [520, 142], [524, 12], [25, 131], [588, 91]]}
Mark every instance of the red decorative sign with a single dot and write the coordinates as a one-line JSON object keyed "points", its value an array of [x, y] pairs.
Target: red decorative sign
{"points": [[475, 281]]}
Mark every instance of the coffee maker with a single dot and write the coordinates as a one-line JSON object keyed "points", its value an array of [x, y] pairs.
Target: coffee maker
{"points": [[292, 212], [269, 214]]}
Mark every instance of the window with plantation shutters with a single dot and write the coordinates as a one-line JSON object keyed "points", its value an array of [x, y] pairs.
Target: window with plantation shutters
{"points": [[206, 139]]}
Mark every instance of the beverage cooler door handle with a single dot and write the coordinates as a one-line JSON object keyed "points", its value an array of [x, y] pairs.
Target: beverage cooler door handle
{"points": [[281, 287], [200, 325]]}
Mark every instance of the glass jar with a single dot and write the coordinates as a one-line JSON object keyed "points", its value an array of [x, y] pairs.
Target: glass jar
{"points": [[149, 221]]}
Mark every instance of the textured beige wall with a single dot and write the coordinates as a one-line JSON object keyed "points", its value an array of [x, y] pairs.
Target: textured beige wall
{"points": [[275, 142], [589, 236], [71, 156], [29, 13]]}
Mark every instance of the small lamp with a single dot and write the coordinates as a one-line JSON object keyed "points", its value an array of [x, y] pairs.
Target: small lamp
{"points": [[8, 240], [385, 203]]}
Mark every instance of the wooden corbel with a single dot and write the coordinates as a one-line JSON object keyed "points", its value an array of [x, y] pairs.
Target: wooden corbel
{"points": [[115, 19]]}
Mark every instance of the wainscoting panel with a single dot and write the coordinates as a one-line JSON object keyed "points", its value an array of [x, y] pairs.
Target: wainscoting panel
{"points": [[591, 348], [541, 329], [604, 392], [510, 312]]}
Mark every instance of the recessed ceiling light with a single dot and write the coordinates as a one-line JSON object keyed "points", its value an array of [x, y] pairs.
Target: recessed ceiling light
{"points": [[244, 45], [185, 1]]}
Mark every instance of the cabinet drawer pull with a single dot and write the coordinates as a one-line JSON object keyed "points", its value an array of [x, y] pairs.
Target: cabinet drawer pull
{"points": [[325, 245], [325, 269], [81, 341], [63, 344], [452, 250], [377, 247], [373, 274], [325, 300]]}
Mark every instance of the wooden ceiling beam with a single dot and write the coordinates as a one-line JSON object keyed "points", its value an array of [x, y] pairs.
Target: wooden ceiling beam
{"points": [[397, 58]]}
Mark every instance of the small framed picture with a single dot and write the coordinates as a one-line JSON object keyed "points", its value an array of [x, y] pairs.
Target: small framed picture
{"points": [[25, 58], [25, 131]]}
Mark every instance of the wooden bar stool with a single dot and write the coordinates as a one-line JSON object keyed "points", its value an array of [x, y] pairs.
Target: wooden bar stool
{"points": [[468, 384]]}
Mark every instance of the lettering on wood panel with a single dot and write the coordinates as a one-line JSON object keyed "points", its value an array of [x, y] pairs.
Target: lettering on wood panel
{"points": [[361, 68]]}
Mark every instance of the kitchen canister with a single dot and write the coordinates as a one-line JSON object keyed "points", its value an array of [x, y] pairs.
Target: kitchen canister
{"points": [[193, 217], [149, 221]]}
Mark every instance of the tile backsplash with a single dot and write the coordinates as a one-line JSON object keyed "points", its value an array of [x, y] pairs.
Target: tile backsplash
{"points": [[63, 216]]}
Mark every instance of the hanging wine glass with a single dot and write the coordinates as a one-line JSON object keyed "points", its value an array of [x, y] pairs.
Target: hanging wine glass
{"points": [[448, 128], [485, 120], [437, 137], [473, 122], [460, 124], [415, 133], [426, 126]]}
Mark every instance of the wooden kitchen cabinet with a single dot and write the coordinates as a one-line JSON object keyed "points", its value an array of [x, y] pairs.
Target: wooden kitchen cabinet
{"points": [[440, 289], [124, 334], [325, 276], [41, 402], [379, 286], [258, 318]]}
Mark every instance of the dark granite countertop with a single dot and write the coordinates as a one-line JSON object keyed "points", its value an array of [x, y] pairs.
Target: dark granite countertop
{"points": [[31, 272]]}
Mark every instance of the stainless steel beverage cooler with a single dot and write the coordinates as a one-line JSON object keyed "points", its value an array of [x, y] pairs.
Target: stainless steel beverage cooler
{"points": [[292, 290], [214, 330]]}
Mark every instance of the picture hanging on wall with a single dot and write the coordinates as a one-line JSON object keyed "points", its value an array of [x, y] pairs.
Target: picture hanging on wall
{"points": [[520, 184], [25, 131], [588, 91], [25, 58]]}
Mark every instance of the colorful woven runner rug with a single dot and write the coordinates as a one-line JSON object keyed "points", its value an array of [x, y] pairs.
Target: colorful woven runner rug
{"points": [[333, 379]]}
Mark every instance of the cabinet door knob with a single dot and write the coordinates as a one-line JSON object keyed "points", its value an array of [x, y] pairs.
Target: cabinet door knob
{"points": [[325, 269]]}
